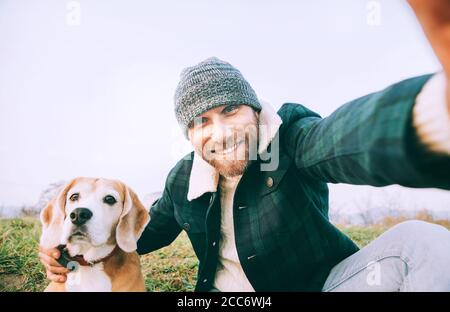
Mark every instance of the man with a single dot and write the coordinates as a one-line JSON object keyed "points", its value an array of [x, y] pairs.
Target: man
{"points": [[253, 198]]}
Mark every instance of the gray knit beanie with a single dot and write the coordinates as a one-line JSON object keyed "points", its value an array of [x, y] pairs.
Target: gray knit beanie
{"points": [[209, 84]]}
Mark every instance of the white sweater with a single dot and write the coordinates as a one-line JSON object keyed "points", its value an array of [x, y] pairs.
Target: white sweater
{"points": [[229, 276]]}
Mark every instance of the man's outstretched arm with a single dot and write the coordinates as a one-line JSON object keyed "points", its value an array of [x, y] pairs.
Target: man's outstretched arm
{"points": [[432, 111], [434, 17], [400, 135], [368, 141]]}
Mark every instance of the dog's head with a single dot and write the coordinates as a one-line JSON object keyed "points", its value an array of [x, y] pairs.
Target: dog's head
{"points": [[94, 212]]}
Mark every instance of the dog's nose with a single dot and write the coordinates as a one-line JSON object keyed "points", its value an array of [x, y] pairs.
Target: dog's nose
{"points": [[80, 216]]}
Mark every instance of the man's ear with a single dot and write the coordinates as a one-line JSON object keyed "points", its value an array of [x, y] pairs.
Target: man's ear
{"points": [[132, 221], [52, 218]]}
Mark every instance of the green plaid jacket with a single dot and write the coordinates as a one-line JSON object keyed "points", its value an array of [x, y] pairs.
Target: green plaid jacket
{"points": [[284, 239]]}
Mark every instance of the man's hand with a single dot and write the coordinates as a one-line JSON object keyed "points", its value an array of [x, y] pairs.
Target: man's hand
{"points": [[55, 271], [434, 16]]}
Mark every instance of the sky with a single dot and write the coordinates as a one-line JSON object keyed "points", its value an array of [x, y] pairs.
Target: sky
{"points": [[86, 87]]}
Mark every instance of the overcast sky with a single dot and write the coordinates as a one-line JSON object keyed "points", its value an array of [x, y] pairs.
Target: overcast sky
{"points": [[86, 87]]}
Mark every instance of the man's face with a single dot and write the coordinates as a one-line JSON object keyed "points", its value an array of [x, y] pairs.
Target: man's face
{"points": [[226, 137]]}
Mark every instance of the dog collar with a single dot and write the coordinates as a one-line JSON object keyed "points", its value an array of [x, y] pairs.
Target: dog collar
{"points": [[65, 259]]}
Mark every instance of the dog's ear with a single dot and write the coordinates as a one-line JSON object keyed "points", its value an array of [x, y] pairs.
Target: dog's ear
{"points": [[132, 221], [52, 218]]}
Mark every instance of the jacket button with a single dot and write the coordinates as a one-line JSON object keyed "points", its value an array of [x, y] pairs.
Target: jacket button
{"points": [[186, 227], [214, 244], [269, 182], [205, 280]]}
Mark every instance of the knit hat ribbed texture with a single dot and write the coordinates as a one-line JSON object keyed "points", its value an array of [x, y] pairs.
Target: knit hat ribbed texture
{"points": [[209, 84]]}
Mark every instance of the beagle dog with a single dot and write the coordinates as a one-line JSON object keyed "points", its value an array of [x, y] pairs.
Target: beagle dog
{"points": [[96, 223]]}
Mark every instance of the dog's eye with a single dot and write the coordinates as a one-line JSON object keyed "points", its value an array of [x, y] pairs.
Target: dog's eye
{"points": [[109, 200], [74, 197]]}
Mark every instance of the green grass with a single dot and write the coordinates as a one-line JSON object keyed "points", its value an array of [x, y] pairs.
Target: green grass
{"points": [[363, 235], [172, 268], [20, 269]]}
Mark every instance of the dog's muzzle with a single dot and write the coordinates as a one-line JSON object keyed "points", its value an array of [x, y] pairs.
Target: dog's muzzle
{"points": [[80, 216]]}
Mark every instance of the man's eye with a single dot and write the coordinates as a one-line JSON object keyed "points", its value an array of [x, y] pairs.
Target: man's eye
{"points": [[199, 121], [230, 108], [74, 197], [110, 200]]}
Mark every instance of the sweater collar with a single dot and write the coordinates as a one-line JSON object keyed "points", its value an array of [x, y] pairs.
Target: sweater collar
{"points": [[205, 178]]}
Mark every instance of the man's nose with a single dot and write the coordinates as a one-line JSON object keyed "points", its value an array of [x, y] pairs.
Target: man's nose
{"points": [[80, 216], [219, 131]]}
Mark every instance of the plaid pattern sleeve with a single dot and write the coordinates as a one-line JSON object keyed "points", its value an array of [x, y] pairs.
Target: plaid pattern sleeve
{"points": [[163, 227], [368, 141]]}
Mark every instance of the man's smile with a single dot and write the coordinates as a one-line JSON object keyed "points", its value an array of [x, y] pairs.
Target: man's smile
{"points": [[229, 150]]}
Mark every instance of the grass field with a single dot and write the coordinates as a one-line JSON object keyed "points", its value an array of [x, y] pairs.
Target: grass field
{"points": [[172, 268]]}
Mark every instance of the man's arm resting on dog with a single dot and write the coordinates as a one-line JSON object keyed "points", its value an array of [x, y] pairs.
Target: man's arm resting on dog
{"points": [[371, 140], [162, 229]]}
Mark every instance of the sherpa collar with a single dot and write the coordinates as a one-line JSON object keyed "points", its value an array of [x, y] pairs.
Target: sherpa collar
{"points": [[205, 178]]}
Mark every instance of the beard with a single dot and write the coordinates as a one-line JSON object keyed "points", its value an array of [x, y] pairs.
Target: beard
{"points": [[230, 168], [243, 144]]}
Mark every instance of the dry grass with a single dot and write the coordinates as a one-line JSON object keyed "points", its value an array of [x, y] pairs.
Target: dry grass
{"points": [[172, 268], [423, 215]]}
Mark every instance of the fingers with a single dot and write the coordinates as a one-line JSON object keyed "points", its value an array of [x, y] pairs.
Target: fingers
{"points": [[48, 260], [58, 270], [52, 252], [56, 277], [55, 271]]}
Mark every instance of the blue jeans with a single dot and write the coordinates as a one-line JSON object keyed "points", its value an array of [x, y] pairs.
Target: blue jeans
{"points": [[411, 256]]}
